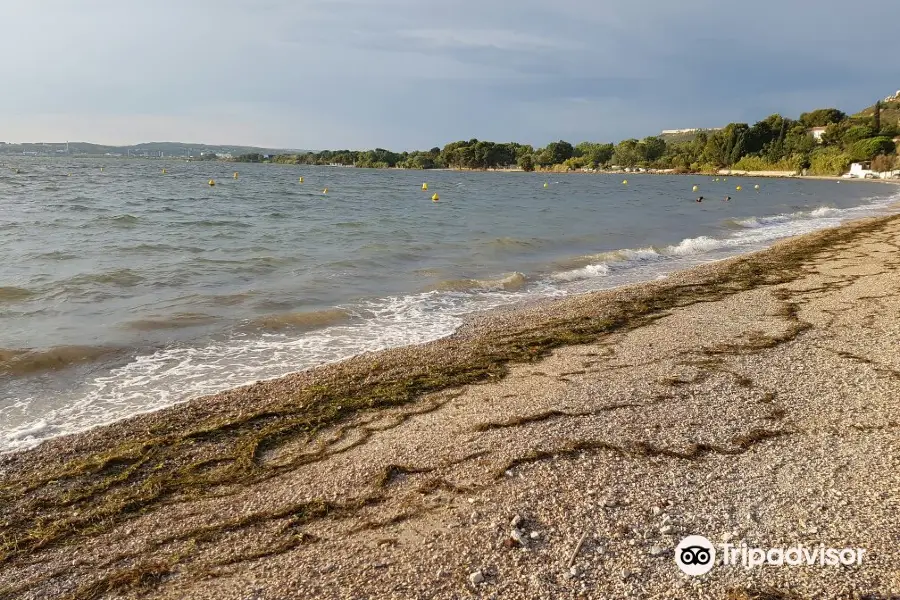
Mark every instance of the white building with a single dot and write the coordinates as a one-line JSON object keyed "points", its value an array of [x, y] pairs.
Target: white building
{"points": [[817, 132], [863, 171]]}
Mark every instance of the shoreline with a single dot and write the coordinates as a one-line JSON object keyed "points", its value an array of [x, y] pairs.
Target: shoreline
{"points": [[521, 305], [88, 488]]}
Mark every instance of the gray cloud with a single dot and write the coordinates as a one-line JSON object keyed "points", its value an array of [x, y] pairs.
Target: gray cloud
{"points": [[406, 74]]}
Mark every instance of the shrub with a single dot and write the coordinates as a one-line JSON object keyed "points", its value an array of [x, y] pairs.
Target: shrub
{"points": [[829, 161], [872, 147]]}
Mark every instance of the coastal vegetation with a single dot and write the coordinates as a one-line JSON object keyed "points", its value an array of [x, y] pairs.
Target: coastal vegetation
{"points": [[824, 141]]}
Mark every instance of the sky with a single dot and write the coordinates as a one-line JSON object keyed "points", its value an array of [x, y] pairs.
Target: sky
{"points": [[413, 74]]}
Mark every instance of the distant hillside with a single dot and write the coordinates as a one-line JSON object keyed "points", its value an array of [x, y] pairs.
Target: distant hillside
{"points": [[145, 150], [890, 112]]}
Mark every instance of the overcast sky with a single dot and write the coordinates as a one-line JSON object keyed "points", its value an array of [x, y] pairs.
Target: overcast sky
{"points": [[406, 74]]}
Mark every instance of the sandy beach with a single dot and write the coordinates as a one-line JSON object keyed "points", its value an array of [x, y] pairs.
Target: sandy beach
{"points": [[560, 450]]}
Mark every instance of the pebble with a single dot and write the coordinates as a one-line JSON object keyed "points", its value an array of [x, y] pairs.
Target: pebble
{"points": [[534, 535], [656, 510], [516, 520], [573, 572], [666, 529], [518, 536], [476, 577], [656, 550], [625, 573]]}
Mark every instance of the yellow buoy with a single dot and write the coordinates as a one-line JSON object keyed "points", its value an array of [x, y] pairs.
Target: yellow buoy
{"points": [[211, 182], [101, 169], [756, 187], [435, 197], [424, 186], [301, 180], [235, 174], [325, 191], [695, 188], [624, 182], [163, 171], [738, 188], [546, 185], [68, 174]]}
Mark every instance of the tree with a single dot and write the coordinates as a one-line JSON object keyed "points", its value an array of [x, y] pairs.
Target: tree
{"points": [[653, 148], [526, 163], [870, 148], [822, 117], [595, 155], [829, 161], [628, 153], [876, 117], [559, 152]]}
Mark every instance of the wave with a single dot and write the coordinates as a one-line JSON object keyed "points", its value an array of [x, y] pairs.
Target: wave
{"points": [[511, 282], [750, 232], [27, 362], [588, 272], [117, 277], [176, 321], [301, 320], [124, 220], [14, 294]]}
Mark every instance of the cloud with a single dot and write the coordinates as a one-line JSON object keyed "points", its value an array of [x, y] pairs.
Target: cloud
{"points": [[406, 74]]}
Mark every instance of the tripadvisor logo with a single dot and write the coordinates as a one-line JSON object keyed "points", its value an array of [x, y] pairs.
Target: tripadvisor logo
{"points": [[696, 555]]}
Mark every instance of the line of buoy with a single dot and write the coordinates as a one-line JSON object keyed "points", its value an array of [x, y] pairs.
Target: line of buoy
{"points": [[738, 188], [756, 187], [235, 174], [212, 183], [435, 197], [301, 180], [624, 182], [163, 171], [695, 188], [424, 186], [325, 191], [546, 185]]}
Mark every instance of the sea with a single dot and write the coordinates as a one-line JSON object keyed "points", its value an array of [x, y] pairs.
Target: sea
{"points": [[126, 289]]}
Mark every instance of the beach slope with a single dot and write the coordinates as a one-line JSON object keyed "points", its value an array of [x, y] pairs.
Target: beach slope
{"points": [[557, 451]]}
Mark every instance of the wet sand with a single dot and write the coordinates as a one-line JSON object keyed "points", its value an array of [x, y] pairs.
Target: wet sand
{"points": [[557, 451]]}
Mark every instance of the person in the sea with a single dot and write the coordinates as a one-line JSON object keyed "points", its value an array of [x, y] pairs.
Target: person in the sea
{"points": [[727, 198], [700, 199]]}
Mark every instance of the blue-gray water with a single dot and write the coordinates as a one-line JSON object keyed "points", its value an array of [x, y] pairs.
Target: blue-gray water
{"points": [[133, 289]]}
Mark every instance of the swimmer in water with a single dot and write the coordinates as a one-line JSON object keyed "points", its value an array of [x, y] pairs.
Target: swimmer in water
{"points": [[700, 199], [727, 198]]}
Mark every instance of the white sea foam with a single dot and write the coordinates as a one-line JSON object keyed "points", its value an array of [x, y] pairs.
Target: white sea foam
{"points": [[598, 270]]}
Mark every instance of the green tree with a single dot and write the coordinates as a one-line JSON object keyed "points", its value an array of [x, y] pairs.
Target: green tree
{"points": [[856, 133], [653, 149], [829, 161], [628, 153], [822, 117], [526, 163], [870, 148], [559, 152]]}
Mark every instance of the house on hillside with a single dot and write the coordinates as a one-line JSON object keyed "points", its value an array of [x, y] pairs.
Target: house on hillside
{"points": [[817, 132]]}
